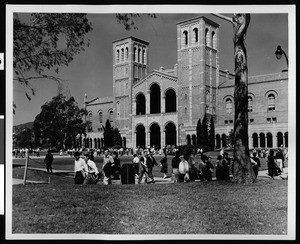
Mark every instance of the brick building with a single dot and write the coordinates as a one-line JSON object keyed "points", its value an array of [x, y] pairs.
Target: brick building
{"points": [[162, 107]]}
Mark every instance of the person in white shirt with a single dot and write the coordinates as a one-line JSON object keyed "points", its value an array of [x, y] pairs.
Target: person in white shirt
{"points": [[136, 164], [80, 169], [184, 169], [92, 171], [106, 167]]}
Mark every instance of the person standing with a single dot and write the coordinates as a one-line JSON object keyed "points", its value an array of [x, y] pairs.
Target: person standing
{"points": [[150, 164], [116, 166], [255, 164], [271, 164], [164, 165], [80, 168], [175, 167], [136, 166], [184, 169], [280, 160], [92, 171], [106, 167], [144, 167], [48, 160]]}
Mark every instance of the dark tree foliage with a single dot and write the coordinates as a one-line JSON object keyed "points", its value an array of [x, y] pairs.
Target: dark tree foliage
{"points": [[128, 20], [199, 133], [204, 139], [108, 135], [44, 43], [24, 139], [59, 121], [117, 138], [211, 134]]}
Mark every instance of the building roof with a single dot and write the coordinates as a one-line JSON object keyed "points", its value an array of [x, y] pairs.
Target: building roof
{"points": [[132, 38], [197, 18]]}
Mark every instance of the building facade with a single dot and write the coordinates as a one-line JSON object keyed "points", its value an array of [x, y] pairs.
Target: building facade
{"points": [[162, 107]]}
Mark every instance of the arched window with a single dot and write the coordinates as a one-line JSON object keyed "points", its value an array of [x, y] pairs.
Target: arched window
{"points": [[196, 35], [262, 139], [213, 45], [100, 117], [194, 141], [206, 37], [250, 104], [271, 102], [143, 56], [185, 36], [126, 53], [90, 116], [269, 140], [118, 56], [255, 140], [228, 105], [111, 116], [122, 55], [279, 139], [188, 139], [139, 55], [134, 54], [170, 101]]}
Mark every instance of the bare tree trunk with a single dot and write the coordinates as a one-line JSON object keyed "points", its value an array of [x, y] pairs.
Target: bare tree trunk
{"points": [[242, 172]]}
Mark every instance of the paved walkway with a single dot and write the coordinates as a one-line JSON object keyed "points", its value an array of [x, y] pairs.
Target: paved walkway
{"points": [[263, 174]]}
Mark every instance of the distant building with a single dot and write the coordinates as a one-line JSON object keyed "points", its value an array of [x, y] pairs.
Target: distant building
{"points": [[162, 107]]}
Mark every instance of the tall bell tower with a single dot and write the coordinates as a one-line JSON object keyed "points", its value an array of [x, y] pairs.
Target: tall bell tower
{"points": [[130, 64], [198, 69]]}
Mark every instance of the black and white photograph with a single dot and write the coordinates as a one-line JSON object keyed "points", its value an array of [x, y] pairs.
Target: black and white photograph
{"points": [[145, 122]]}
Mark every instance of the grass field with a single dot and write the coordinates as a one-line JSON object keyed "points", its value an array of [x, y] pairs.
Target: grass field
{"points": [[217, 207]]}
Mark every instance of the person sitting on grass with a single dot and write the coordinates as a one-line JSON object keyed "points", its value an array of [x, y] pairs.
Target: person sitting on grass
{"points": [[209, 169], [92, 171], [80, 168]]}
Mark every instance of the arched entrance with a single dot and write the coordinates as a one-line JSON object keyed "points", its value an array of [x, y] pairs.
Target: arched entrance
{"points": [[170, 101], [155, 136], [279, 139], [140, 104], [194, 141], [255, 140], [262, 141], [170, 134], [224, 140], [140, 136], [154, 99], [286, 139], [269, 140], [188, 139], [218, 141]]}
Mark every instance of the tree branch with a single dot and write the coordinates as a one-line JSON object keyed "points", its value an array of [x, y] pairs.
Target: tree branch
{"points": [[224, 18]]}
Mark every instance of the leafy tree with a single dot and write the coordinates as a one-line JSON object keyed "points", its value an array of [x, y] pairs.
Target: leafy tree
{"points": [[45, 42], [128, 20], [211, 134], [108, 135], [117, 138], [24, 138], [59, 121]]}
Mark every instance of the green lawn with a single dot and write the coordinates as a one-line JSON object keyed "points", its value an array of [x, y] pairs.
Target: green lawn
{"points": [[217, 207]]}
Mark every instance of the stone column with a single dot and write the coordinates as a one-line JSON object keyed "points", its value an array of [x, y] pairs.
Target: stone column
{"points": [[148, 101], [163, 103], [163, 138], [148, 132]]}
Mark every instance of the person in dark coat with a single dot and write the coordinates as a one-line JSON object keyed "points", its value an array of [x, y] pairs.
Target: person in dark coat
{"points": [[271, 165], [175, 167], [48, 160], [256, 164], [164, 165], [116, 166]]}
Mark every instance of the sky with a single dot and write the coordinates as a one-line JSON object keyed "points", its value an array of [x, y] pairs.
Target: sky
{"points": [[91, 71]]}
